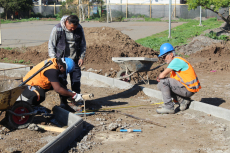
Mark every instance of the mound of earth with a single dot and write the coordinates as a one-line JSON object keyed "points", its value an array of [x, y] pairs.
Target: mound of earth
{"points": [[197, 44], [103, 43], [213, 57]]}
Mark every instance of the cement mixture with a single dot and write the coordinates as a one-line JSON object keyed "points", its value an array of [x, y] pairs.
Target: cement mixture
{"points": [[188, 131]]}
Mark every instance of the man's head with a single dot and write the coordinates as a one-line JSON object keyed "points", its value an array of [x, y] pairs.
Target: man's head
{"points": [[71, 22], [167, 52], [66, 65], [168, 57]]}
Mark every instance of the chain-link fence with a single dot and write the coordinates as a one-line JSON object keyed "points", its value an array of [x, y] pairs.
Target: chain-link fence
{"points": [[134, 10]]}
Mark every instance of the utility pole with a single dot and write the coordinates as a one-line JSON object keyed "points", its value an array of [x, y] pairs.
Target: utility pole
{"points": [[0, 29], [170, 11], [40, 6], [200, 16], [80, 10], [107, 11]]}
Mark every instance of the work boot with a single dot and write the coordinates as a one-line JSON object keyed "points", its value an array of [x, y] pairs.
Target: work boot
{"points": [[164, 110], [183, 102]]}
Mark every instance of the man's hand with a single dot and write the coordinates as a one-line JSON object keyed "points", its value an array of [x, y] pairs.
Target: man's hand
{"points": [[78, 97], [164, 74], [158, 80], [80, 62]]}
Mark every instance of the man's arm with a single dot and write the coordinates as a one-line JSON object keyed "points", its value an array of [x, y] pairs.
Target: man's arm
{"points": [[56, 86], [83, 44], [52, 43], [163, 74]]}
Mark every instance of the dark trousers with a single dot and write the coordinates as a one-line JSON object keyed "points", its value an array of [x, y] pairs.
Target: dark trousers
{"points": [[34, 94], [75, 78]]}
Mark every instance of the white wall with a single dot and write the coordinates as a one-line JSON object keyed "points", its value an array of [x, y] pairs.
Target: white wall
{"points": [[144, 1]]}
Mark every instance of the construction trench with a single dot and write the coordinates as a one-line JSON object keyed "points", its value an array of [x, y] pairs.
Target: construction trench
{"points": [[204, 127]]}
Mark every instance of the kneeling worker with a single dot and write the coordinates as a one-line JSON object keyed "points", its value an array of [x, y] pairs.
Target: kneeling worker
{"points": [[48, 79], [181, 85]]}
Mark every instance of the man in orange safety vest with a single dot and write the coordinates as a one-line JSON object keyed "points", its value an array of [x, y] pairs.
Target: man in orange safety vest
{"points": [[48, 79], [182, 83]]}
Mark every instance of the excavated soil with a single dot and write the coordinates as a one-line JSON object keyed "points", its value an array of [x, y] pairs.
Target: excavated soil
{"points": [[211, 63], [209, 57]]}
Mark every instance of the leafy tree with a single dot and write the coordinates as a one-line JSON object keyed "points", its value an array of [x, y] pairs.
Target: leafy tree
{"points": [[70, 7], [16, 5], [213, 5]]}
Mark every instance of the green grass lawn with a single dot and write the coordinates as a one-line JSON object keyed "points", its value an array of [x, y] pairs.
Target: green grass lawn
{"points": [[180, 34]]}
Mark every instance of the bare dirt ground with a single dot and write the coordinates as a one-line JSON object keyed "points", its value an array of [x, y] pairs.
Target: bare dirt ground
{"points": [[187, 131]]}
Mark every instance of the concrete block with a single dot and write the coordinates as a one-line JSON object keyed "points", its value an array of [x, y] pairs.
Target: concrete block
{"points": [[152, 93], [210, 109], [101, 78], [14, 73], [9, 65], [19, 72], [62, 141], [85, 74], [93, 82], [122, 84], [134, 58]]}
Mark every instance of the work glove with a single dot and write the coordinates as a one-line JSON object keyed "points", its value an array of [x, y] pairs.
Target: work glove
{"points": [[77, 97]]}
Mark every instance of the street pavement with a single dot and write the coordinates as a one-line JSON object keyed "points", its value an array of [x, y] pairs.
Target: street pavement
{"points": [[33, 33]]}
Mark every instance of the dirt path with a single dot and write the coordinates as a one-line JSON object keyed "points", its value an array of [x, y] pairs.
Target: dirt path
{"points": [[188, 131]]}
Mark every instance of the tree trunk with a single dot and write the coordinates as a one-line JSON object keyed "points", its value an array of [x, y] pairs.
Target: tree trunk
{"points": [[101, 10], [227, 25], [6, 14], [222, 17]]}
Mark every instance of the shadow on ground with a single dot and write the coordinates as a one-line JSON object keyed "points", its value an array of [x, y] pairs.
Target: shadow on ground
{"points": [[213, 101], [106, 101]]}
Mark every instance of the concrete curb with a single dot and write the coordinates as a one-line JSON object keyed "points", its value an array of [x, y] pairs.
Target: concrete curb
{"points": [[195, 105], [20, 72], [210, 109], [110, 81], [61, 142]]}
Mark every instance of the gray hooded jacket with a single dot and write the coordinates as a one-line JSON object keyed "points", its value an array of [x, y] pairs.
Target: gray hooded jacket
{"points": [[70, 50]]}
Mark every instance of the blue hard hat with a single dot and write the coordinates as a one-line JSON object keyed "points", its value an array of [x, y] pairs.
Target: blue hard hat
{"points": [[70, 64], [165, 48]]}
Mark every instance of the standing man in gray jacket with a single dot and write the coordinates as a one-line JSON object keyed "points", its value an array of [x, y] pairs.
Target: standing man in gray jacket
{"points": [[67, 40]]}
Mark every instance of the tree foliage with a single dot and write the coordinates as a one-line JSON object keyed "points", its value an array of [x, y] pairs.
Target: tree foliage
{"points": [[213, 5], [16, 5], [72, 7]]}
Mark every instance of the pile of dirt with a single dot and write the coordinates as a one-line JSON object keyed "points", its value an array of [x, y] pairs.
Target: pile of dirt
{"points": [[23, 57], [213, 57], [103, 43], [197, 44]]}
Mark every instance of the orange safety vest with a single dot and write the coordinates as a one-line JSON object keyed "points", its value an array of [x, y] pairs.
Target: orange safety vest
{"points": [[188, 78], [40, 79]]}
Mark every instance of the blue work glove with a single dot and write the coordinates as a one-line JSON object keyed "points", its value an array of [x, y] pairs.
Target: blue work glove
{"points": [[71, 91]]}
